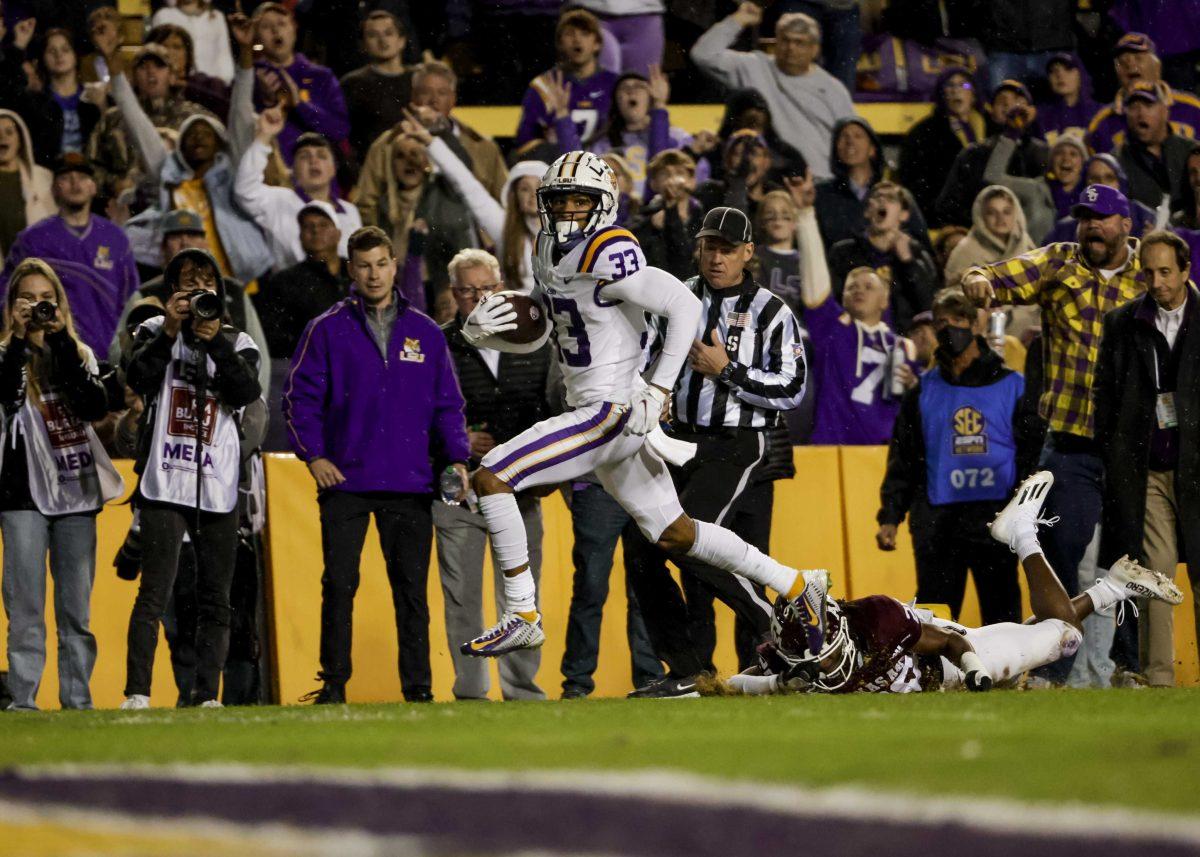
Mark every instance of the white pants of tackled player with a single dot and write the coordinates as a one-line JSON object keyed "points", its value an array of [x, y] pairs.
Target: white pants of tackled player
{"points": [[1008, 649]]}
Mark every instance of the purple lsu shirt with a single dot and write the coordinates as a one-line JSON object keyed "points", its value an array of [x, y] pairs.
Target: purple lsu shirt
{"points": [[854, 402]]}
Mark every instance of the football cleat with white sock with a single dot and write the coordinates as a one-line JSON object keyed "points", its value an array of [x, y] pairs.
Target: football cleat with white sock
{"points": [[511, 633], [1136, 581], [1021, 514]]}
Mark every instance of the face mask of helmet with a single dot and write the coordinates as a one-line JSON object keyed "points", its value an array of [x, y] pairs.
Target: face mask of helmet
{"points": [[819, 650], [564, 227]]}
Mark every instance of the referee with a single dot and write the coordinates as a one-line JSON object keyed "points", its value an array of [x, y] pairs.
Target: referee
{"points": [[746, 365]]}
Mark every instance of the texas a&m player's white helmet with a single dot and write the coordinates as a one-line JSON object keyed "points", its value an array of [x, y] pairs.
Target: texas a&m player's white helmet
{"points": [[578, 172]]}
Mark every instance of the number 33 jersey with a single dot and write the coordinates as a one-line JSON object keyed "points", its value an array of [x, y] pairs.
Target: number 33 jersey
{"points": [[598, 341]]}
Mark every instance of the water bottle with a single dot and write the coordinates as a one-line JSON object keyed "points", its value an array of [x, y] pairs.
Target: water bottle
{"points": [[450, 484]]}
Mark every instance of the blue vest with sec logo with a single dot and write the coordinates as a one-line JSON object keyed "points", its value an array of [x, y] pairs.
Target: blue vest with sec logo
{"points": [[970, 450]]}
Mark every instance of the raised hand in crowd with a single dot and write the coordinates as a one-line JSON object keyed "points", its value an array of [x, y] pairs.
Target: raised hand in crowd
{"points": [[675, 191], [660, 88], [106, 38], [558, 94], [902, 246], [268, 125], [749, 14], [242, 30], [413, 127], [802, 189], [429, 118], [23, 32]]}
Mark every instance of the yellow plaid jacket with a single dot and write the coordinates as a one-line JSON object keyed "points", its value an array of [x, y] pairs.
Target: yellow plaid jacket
{"points": [[1073, 299]]}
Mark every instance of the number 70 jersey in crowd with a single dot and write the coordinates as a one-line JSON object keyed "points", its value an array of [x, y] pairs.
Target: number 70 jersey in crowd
{"points": [[598, 342]]}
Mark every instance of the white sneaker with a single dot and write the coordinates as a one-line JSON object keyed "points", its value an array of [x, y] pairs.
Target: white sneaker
{"points": [[1023, 509], [211, 703], [137, 702], [1134, 581], [509, 634]]}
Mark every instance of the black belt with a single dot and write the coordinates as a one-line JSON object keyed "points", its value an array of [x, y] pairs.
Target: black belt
{"points": [[719, 431]]}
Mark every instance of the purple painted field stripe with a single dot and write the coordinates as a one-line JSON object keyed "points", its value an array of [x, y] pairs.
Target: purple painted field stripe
{"points": [[500, 821]]}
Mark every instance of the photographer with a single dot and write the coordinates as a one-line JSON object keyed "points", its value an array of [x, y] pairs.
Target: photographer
{"points": [[177, 361], [54, 478]]}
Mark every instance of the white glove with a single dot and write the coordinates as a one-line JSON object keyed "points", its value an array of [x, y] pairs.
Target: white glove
{"points": [[645, 410], [494, 314]]}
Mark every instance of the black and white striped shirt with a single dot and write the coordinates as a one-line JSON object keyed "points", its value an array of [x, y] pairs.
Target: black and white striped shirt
{"points": [[764, 344]]}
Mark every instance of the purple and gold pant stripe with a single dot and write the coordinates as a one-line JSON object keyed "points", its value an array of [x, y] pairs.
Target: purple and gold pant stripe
{"points": [[560, 446]]}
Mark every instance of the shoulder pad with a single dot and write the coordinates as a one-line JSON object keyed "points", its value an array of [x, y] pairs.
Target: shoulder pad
{"points": [[612, 254]]}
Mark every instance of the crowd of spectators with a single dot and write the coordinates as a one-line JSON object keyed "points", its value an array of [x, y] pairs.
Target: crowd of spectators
{"points": [[262, 137]]}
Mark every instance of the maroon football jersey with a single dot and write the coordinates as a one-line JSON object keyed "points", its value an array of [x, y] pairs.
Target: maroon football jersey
{"points": [[885, 632]]}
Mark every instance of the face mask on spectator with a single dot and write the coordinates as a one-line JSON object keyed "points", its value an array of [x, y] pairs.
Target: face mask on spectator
{"points": [[955, 340]]}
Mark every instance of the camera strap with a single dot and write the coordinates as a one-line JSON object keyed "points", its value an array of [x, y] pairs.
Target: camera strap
{"points": [[199, 412]]}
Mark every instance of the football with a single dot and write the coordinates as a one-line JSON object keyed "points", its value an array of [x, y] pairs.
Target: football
{"points": [[531, 319]]}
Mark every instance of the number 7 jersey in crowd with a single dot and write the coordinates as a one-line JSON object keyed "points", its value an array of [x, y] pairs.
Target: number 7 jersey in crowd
{"points": [[598, 342]]}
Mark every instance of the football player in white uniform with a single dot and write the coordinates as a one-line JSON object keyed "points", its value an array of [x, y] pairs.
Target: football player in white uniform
{"points": [[879, 645], [596, 288]]}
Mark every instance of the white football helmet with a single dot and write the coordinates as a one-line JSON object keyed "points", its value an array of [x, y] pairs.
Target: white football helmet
{"points": [[578, 172]]}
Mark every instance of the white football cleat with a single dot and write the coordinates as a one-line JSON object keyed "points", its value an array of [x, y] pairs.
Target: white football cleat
{"points": [[511, 633], [137, 702], [211, 703], [1136, 581], [1023, 509], [819, 578]]}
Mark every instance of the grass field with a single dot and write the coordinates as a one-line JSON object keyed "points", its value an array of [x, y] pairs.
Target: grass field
{"points": [[1132, 748]]}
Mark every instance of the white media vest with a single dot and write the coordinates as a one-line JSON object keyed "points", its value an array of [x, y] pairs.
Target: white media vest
{"points": [[69, 471], [170, 473]]}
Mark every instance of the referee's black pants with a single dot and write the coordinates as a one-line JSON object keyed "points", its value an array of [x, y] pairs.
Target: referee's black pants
{"points": [[750, 519], [711, 486], [405, 525]]}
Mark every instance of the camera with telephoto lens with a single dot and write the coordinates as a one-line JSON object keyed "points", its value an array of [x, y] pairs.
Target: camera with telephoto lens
{"points": [[205, 306], [43, 312]]}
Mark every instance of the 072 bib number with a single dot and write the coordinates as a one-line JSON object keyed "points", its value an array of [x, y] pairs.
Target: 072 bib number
{"points": [[973, 477]]}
